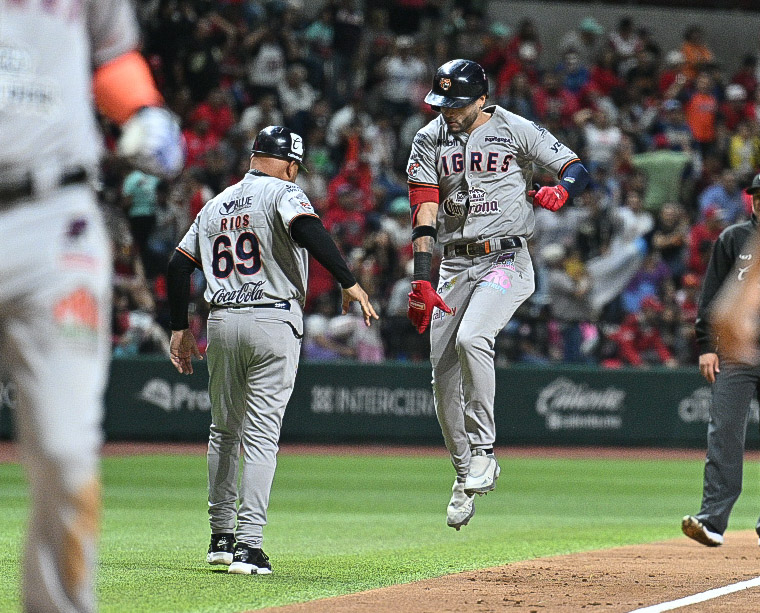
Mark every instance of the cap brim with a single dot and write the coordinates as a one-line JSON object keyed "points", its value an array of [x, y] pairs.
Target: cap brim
{"points": [[436, 100], [753, 189], [297, 161]]}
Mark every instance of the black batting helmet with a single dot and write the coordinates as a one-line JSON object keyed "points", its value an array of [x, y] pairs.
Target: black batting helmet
{"points": [[456, 84], [279, 142]]}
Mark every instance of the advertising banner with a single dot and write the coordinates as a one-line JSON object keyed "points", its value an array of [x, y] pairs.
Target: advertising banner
{"points": [[344, 402]]}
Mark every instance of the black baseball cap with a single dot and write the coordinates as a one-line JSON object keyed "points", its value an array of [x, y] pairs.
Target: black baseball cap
{"points": [[755, 186], [280, 142]]}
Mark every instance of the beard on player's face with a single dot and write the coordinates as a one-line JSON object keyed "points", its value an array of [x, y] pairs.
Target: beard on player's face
{"points": [[461, 119]]}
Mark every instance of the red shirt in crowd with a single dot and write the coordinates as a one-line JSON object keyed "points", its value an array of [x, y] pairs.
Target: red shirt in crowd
{"points": [[510, 69], [734, 114], [346, 226], [634, 337], [558, 102], [220, 118], [701, 239], [198, 143], [354, 176], [320, 282], [604, 79]]}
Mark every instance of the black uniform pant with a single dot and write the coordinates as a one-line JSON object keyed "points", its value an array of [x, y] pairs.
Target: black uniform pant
{"points": [[732, 393]]}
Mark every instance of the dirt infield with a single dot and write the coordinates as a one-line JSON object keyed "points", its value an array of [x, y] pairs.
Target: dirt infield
{"points": [[615, 580], [622, 579]]}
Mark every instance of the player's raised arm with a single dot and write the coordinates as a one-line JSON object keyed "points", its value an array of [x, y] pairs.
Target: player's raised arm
{"points": [[125, 92]]}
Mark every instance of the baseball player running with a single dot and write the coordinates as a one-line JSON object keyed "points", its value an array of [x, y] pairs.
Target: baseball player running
{"points": [[55, 261], [729, 300], [468, 172], [252, 242]]}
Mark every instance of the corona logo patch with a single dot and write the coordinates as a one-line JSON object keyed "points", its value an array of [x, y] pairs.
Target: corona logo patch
{"points": [[445, 84]]}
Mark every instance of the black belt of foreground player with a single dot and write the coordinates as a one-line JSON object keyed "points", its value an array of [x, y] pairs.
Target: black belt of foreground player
{"points": [[15, 187], [483, 247]]}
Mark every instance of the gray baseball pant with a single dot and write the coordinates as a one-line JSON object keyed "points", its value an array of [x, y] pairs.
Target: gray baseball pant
{"points": [[252, 361], [55, 298], [485, 292], [732, 392]]}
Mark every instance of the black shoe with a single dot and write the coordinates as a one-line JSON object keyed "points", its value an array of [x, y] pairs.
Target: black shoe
{"points": [[221, 549], [249, 561]]}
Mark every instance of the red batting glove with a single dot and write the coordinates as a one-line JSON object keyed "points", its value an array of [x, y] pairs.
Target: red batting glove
{"points": [[551, 198], [422, 300]]}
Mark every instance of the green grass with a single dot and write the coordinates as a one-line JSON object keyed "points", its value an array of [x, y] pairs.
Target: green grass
{"points": [[341, 525]]}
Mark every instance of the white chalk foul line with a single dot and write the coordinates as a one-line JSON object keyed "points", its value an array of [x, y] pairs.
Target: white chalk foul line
{"points": [[701, 597]]}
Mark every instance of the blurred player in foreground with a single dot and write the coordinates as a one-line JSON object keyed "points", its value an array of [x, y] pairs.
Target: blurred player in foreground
{"points": [[55, 261], [727, 334]]}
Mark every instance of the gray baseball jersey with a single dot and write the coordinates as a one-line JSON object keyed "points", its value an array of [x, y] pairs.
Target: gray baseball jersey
{"points": [[479, 181], [47, 51], [482, 177], [55, 299], [241, 239]]}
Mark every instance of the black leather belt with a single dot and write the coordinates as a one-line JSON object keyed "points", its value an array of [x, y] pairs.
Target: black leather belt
{"points": [[483, 247], [282, 305], [24, 188]]}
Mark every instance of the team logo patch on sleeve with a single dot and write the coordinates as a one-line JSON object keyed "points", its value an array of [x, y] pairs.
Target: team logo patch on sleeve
{"points": [[413, 170]]}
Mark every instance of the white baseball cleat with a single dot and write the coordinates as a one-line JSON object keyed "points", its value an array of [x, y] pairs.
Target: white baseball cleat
{"points": [[695, 529], [484, 470], [461, 506]]}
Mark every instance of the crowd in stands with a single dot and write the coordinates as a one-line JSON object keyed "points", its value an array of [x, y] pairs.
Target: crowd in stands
{"points": [[670, 137]]}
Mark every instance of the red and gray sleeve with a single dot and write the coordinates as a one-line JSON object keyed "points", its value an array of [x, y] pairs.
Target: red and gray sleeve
{"points": [[422, 174]]}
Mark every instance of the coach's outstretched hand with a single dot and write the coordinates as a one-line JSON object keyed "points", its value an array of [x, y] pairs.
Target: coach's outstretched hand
{"points": [[182, 348], [422, 300], [355, 293]]}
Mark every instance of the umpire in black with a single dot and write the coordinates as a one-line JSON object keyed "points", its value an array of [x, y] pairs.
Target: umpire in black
{"points": [[733, 386]]}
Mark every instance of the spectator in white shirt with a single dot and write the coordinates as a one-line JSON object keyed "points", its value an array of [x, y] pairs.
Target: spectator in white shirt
{"points": [[403, 72], [296, 98]]}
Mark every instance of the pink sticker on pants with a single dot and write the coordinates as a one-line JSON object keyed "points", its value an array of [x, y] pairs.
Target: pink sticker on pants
{"points": [[496, 279]]}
